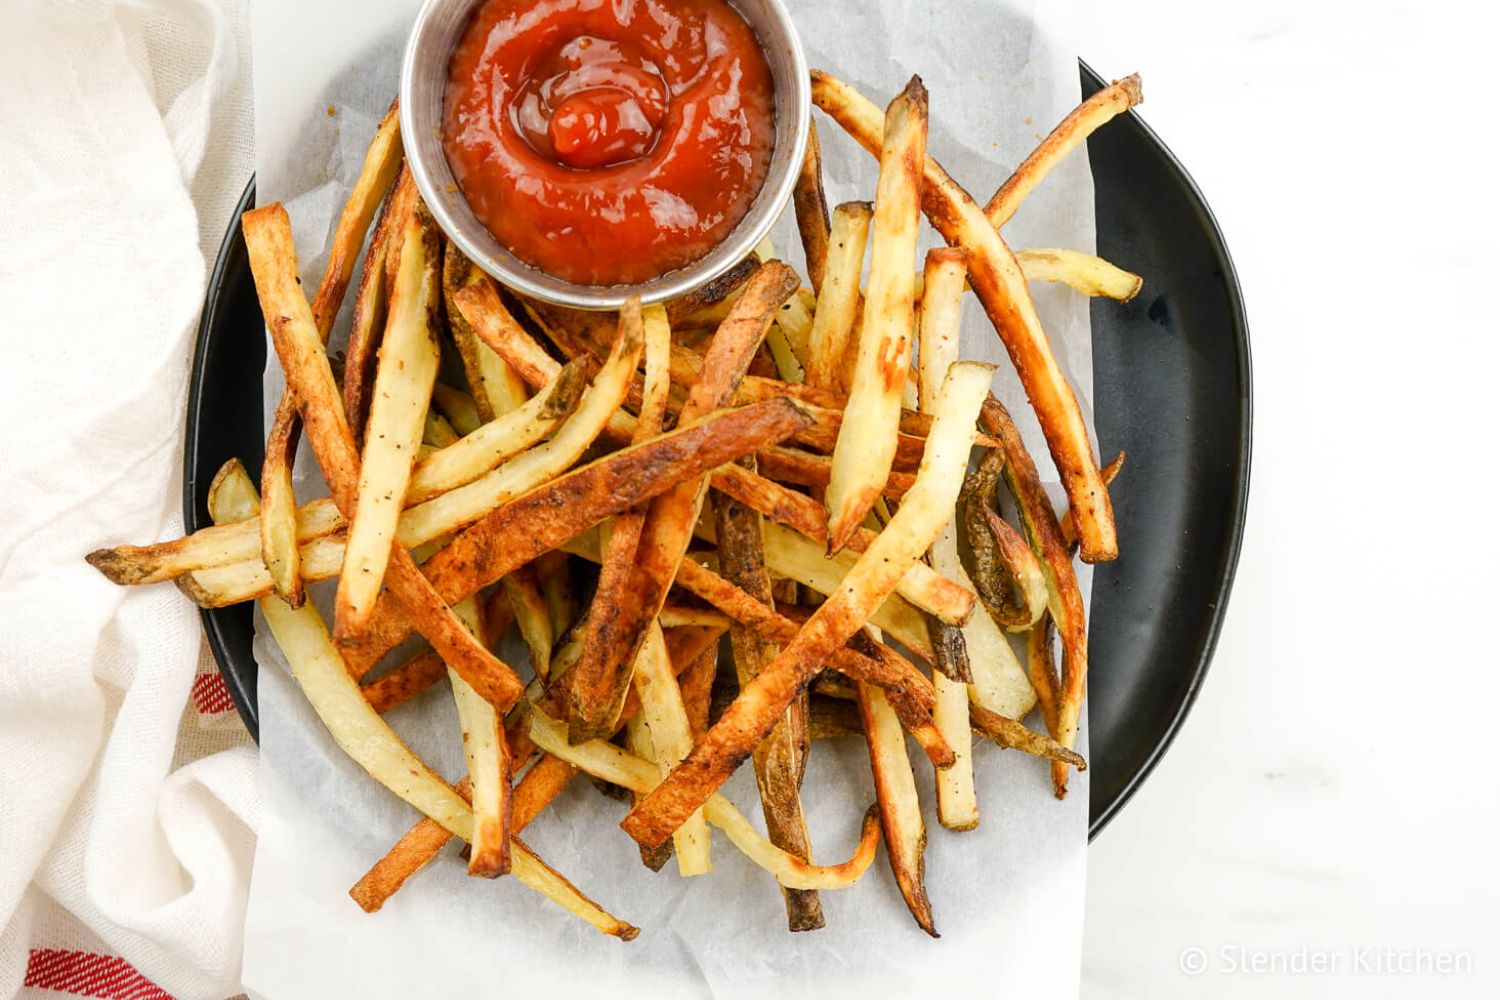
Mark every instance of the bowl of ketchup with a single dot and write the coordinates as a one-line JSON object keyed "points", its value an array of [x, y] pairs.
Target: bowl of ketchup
{"points": [[582, 151]]}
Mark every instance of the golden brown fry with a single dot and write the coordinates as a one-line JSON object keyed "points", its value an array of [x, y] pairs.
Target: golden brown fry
{"points": [[1109, 472], [1001, 287], [523, 589], [811, 206], [668, 524], [1081, 122], [1041, 666], [791, 465], [690, 309], [927, 507], [670, 740], [496, 388], [1012, 735], [404, 380], [278, 505], [696, 680], [458, 406], [550, 515], [866, 445], [900, 811], [1065, 600], [1083, 272], [780, 759], [368, 324], [273, 262], [599, 682]]}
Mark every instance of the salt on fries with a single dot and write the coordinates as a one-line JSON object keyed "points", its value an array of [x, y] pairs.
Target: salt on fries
{"points": [[740, 460]]}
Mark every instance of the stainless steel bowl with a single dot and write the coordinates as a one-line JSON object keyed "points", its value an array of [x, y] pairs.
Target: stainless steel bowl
{"points": [[424, 75]]}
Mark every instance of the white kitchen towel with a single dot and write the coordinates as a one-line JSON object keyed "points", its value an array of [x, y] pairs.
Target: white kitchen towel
{"points": [[127, 814]]}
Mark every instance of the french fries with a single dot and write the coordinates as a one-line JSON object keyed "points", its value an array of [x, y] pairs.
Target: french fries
{"points": [[404, 378], [926, 508], [1001, 287], [834, 470], [1081, 122], [865, 448]]}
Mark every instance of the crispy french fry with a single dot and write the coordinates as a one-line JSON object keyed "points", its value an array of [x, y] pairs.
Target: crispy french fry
{"points": [[696, 681], [523, 589], [671, 740], [927, 507], [1009, 577], [1083, 272], [612, 764], [1081, 122], [811, 206], [404, 379], [838, 295], [1001, 288], [364, 736], [488, 760], [792, 465], [599, 681], [709, 303], [1109, 472], [781, 758], [273, 263], [669, 520], [638, 742], [1012, 735], [278, 503], [957, 802], [896, 794], [1065, 600], [1041, 665], [497, 389], [866, 446], [549, 515], [368, 324]]}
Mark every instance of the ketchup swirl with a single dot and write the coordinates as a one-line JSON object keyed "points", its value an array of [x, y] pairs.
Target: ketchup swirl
{"points": [[609, 141]]}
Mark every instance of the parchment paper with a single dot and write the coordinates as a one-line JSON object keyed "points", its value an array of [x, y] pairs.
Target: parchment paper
{"points": [[1007, 897]]}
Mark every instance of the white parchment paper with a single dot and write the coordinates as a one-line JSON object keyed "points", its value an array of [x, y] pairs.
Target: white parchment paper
{"points": [[1007, 897]]}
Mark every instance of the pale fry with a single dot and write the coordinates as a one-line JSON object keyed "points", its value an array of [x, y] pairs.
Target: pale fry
{"points": [[671, 740], [927, 507], [1081, 122], [488, 760], [404, 378], [838, 295], [942, 298], [1001, 287], [1082, 272], [896, 794], [866, 445], [458, 406], [523, 590]]}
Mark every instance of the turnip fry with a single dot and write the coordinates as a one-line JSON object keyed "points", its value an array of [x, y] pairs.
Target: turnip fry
{"points": [[811, 207], [1001, 287], [957, 802], [866, 445], [404, 378], [1081, 122], [927, 507], [838, 295], [900, 811], [599, 682], [781, 758]]}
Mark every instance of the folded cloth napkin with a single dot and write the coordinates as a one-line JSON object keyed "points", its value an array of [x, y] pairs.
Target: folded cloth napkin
{"points": [[128, 797]]}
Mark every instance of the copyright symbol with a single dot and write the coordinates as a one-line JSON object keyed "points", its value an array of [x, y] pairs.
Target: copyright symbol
{"points": [[1193, 961]]}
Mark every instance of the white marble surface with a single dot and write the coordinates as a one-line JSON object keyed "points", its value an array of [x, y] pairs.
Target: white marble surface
{"points": [[1347, 151]]}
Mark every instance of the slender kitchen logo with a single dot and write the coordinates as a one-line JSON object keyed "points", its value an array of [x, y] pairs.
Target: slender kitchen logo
{"points": [[1375, 961]]}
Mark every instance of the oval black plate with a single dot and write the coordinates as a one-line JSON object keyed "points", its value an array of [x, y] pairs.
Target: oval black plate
{"points": [[1171, 387]]}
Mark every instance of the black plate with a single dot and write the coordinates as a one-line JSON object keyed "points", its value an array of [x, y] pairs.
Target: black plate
{"points": [[1171, 386]]}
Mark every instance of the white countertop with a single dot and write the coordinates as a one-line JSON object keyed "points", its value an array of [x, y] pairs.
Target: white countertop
{"points": [[1294, 842]]}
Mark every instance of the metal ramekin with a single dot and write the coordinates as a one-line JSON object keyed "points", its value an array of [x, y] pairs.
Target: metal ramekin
{"points": [[424, 75]]}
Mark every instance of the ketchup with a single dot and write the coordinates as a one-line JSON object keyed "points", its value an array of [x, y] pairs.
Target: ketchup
{"points": [[609, 141]]}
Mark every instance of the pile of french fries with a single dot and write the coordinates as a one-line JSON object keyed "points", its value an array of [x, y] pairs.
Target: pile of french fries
{"points": [[787, 465]]}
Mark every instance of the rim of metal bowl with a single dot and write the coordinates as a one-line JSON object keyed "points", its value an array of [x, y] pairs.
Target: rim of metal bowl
{"points": [[458, 222]]}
